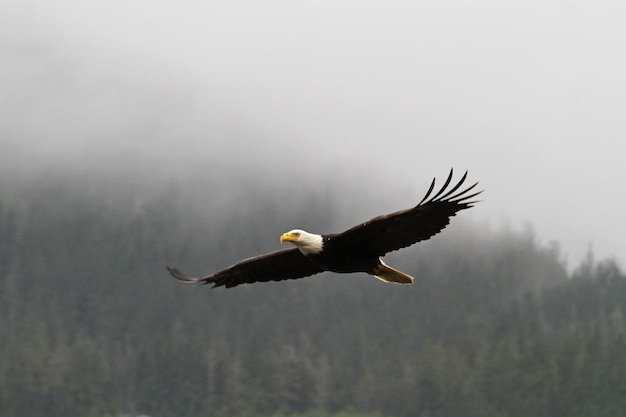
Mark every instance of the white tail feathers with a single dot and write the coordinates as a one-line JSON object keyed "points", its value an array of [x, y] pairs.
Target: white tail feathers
{"points": [[388, 274]]}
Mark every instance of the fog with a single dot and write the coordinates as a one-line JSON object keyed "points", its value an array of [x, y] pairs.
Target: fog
{"points": [[529, 97]]}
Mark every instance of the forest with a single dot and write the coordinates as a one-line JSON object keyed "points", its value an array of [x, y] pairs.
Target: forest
{"points": [[495, 325]]}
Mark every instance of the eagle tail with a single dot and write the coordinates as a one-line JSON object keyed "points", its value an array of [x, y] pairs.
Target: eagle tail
{"points": [[387, 274]]}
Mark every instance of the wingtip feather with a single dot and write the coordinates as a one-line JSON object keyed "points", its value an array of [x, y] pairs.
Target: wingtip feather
{"points": [[181, 276], [430, 190], [445, 185], [453, 195]]}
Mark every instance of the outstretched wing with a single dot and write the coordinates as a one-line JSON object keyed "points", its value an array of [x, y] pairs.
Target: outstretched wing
{"points": [[394, 231], [276, 266]]}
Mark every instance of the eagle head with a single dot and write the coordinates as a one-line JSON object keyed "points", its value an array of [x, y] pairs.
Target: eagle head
{"points": [[308, 243]]}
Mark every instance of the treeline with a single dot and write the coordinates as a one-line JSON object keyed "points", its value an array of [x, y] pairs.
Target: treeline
{"points": [[93, 326]]}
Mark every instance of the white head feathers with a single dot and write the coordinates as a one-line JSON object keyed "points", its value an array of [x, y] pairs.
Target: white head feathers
{"points": [[308, 243]]}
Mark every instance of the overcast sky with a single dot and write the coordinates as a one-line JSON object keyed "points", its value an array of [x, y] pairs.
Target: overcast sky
{"points": [[529, 96]]}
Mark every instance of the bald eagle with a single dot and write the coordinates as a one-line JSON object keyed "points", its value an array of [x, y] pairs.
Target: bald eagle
{"points": [[355, 250]]}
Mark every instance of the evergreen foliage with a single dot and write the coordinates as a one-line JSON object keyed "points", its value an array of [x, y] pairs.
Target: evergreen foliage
{"points": [[92, 325]]}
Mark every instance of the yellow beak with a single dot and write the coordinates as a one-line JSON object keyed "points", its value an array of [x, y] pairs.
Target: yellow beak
{"points": [[287, 237]]}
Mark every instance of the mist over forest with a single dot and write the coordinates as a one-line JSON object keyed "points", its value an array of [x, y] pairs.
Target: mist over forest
{"points": [[528, 99], [135, 135]]}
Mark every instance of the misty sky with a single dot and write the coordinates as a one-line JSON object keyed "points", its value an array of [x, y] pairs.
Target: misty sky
{"points": [[529, 96]]}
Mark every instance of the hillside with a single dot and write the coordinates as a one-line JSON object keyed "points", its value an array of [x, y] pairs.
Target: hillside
{"points": [[92, 324]]}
